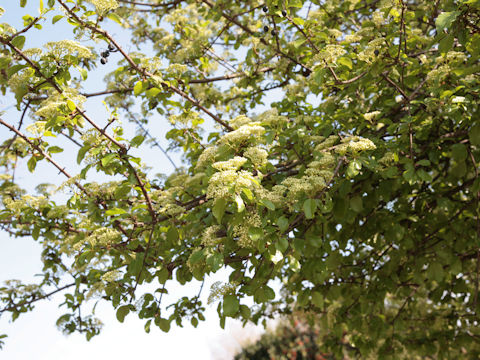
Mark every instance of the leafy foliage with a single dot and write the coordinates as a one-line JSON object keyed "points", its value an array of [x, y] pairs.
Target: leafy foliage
{"points": [[364, 204]]}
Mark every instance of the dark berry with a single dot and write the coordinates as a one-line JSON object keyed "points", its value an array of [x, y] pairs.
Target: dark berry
{"points": [[306, 72], [265, 9], [265, 28], [103, 60], [273, 33], [105, 54], [111, 47], [284, 13], [376, 52]]}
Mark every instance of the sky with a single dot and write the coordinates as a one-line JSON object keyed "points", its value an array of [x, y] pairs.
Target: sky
{"points": [[34, 335]]}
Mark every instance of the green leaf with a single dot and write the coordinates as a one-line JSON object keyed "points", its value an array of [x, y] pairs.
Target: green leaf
{"points": [[353, 168], [5, 61], [23, 3], [172, 235], [137, 140], [297, 43], [138, 88], [231, 305], [151, 93], [245, 311], [219, 209], [147, 326], [164, 325], [317, 299], [282, 244], [115, 17], [41, 7], [107, 159], [196, 257], [435, 272], [309, 208], [115, 211], [445, 19], [255, 233], [248, 193], [71, 105], [163, 275], [269, 293], [474, 134], [122, 311], [54, 149], [57, 18], [19, 42], [194, 322], [446, 44], [122, 191], [282, 223], [346, 61], [356, 203], [459, 152], [423, 162], [240, 204], [268, 204], [31, 164]]}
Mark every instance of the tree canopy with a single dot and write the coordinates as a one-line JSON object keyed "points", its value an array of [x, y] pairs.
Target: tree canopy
{"points": [[355, 189]]}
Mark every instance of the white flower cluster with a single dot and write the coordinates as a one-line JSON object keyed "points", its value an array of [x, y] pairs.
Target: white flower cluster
{"points": [[19, 81], [33, 52], [326, 161], [103, 236], [68, 47], [355, 145], [368, 55], [371, 115], [37, 128], [104, 5], [276, 195], [96, 290], [165, 201], [334, 33], [352, 38], [29, 201], [378, 18], [244, 133], [176, 70], [239, 121], [438, 74], [256, 155], [49, 106], [232, 164], [111, 276], [455, 57], [218, 290], [330, 55], [240, 231], [185, 118], [386, 159], [310, 183], [56, 212], [224, 183], [206, 157], [209, 237], [272, 119], [327, 143]]}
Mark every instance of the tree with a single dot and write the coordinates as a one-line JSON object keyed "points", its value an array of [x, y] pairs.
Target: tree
{"points": [[362, 204]]}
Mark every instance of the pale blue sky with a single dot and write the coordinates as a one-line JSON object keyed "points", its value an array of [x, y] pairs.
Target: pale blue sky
{"points": [[34, 335]]}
